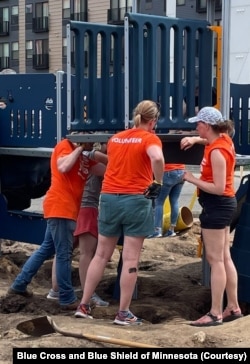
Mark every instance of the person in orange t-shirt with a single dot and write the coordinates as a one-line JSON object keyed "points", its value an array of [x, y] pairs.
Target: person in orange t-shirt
{"points": [[69, 171], [216, 195], [134, 156]]}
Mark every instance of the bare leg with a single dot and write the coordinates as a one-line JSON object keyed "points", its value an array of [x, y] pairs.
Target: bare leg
{"points": [[130, 258], [104, 251], [233, 310], [214, 240], [87, 248]]}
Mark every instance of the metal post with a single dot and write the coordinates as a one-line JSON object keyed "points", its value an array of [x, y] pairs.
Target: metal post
{"points": [[225, 81], [134, 6], [127, 122], [210, 11], [59, 80], [68, 77], [126, 71]]}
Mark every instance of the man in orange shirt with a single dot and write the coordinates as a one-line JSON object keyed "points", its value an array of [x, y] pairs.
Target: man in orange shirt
{"points": [[69, 171], [134, 156]]}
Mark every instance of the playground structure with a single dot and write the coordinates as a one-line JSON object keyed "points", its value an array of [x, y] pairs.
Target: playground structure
{"points": [[144, 59]]}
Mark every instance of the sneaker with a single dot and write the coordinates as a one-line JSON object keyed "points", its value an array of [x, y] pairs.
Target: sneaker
{"points": [[169, 233], [98, 302], [53, 295], [25, 293], [83, 311], [71, 306], [128, 319], [155, 235]]}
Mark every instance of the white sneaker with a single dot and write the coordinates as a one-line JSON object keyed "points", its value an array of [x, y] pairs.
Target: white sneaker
{"points": [[98, 302], [53, 295], [155, 235], [169, 233]]}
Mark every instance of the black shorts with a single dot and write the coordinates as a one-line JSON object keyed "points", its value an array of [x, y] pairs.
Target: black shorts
{"points": [[217, 211]]}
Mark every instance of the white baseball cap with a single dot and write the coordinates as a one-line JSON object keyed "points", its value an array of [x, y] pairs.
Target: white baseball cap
{"points": [[209, 115]]}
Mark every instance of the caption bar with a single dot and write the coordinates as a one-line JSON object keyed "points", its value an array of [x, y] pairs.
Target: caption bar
{"points": [[21, 355]]}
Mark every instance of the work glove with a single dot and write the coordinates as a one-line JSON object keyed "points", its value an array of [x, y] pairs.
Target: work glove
{"points": [[90, 155], [153, 190]]}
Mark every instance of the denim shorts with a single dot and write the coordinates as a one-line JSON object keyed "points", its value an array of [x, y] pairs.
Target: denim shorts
{"points": [[131, 215], [217, 211]]}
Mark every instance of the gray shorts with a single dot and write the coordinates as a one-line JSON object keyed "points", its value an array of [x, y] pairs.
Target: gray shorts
{"points": [[131, 215]]}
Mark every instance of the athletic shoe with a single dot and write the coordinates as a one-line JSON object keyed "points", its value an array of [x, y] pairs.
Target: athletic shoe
{"points": [[53, 295], [98, 302], [71, 306], [26, 293], [127, 319], [155, 235], [83, 311], [169, 233]]}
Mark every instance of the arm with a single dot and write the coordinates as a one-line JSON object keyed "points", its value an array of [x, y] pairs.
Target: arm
{"points": [[64, 164], [216, 187], [97, 156], [98, 169], [188, 142], [157, 161]]}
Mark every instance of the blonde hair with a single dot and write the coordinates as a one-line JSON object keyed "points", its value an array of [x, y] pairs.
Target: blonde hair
{"points": [[145, 111]]}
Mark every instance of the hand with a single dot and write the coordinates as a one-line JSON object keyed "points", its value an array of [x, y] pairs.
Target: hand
{"points": [[153, 190], [188, 176], [187, 142]]}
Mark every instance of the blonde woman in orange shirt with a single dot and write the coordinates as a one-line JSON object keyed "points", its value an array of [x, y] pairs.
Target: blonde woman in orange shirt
{"points": [[215, 190], [134, 156]]}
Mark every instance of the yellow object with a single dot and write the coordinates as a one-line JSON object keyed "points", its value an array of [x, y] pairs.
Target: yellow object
{"points": [[193, 199], [199, 248], [166, 206], [185, 219], [218, 41]]}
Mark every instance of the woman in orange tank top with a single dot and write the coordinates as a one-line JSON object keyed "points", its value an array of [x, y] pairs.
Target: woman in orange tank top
{"points": [[215, 189]]}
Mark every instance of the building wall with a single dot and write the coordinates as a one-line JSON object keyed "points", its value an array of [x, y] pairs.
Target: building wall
{"points": [[239, 42], [55, 36], [98, 11], [153, 7], [188, 11], [22, 37]]}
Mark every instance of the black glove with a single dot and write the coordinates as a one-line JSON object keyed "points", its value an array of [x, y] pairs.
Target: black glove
{"points": [[153, 190]]}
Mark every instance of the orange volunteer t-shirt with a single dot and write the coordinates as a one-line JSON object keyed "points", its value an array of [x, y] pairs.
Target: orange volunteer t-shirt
{"points": [[63, 198], [129, 169]]}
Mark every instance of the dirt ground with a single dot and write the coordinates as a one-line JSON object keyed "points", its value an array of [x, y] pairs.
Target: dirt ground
{"points": [[169, 295]]}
